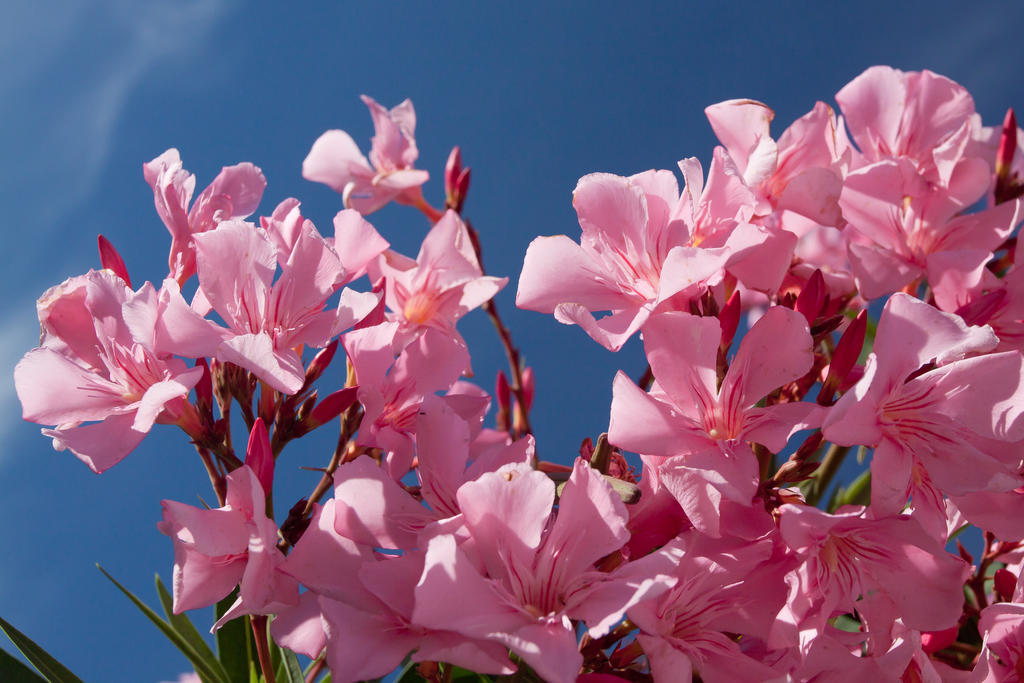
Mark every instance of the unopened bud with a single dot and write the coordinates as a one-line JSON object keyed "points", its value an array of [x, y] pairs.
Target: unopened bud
{"points": [[331, 407], [844, 357], [1007, 146], [307, 407], [462, 188], [111, 260], [933, 641], [528, 388], [812, 297], [259, 457], [729, 318], [1005, 583], [320, 363], [501, 391], [204, 388], [452, 169]]}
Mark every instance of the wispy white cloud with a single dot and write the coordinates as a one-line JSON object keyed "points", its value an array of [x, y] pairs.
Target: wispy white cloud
{"points": [[67, 75]]}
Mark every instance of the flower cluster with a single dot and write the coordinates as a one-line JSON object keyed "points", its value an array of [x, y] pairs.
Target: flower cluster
{"points": [[732, 555]]}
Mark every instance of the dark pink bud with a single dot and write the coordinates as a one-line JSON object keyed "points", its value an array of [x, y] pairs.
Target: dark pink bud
{"points": [[320, 362], [462, 188], [844, 358], [729, 318], [111, 260], [528, 388], [259, 457], [501, 391], [331, 407], [1007, 146], [204, 387], [1005, 583], [812, 297], [452, 169], [933, 641]]}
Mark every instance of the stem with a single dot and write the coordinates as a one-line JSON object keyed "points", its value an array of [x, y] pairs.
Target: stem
{"points": [[350, 423], [216, 480], [829, 466], [511, 352], [259, 631], [432, 214], [317, 667]]}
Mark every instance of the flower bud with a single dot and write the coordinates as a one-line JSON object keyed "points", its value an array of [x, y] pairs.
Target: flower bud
{"points": [[812, 297], [259, 457], [844, 357], [1007, 146], [933, 641], [729, 318], [1004, 583], [111, 260], [330, 408], [320, 363]]}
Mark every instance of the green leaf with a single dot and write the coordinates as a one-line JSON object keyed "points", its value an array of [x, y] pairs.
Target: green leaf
{"points": [[234, 642], [202, 667], [12, 670], [54, 671], [183, 625], [289, 669]]}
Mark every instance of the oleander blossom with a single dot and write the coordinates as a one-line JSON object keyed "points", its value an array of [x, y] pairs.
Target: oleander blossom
{"points": [[105, 358], [336, 161]]}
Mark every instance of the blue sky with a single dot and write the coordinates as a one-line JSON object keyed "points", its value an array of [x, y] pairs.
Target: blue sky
{"points": [[537, 95]]}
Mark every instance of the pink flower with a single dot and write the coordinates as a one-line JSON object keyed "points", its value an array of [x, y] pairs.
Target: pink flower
{"points": [[267, 321], [215, 550], [524, 574], [1002, 659], [363, 603], [888, 566], [392, 389], [708, 428], [801, 172], [106, 358], [631, 258], [950, 428], [723, 588], [918, 116], [443, 284], [234, 193], [335, 160]]}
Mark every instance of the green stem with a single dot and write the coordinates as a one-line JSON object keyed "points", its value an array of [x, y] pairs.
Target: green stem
{"points": [[829, 466]]}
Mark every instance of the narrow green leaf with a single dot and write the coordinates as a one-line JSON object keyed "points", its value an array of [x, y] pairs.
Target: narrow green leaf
{"points": [[291, 671], [12, 670], [408, 672], [202, 668], [183, 625], [54, 671], [234, 642]]}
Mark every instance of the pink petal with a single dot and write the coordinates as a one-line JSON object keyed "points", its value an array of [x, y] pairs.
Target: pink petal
{"points": [[335, 160], [373, 510]]}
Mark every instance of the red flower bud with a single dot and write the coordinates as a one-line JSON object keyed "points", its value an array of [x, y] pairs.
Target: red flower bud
{"points": [[1005, 583], [812, 297], [111, 260], [729, 318]]}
